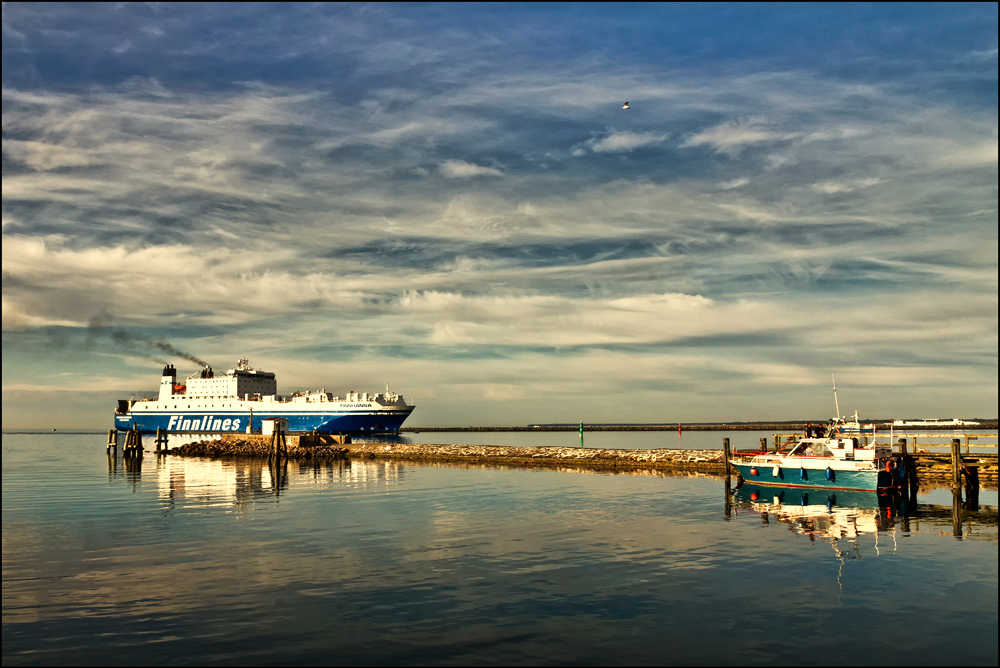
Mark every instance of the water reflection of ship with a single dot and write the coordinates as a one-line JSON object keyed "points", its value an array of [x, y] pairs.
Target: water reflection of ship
{"points": [[241, 483]]}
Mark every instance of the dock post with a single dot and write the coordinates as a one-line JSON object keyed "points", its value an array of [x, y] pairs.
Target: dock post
{"points": [[971, 487], [777, 442], [956, 464], [728, 512], [138, 442], [112, 439], [725, 456], [127, 446], [763, 445], [902, 446]]}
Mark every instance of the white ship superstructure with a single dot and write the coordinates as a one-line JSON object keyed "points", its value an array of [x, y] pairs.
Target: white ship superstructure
{"points": [[244, 396]]}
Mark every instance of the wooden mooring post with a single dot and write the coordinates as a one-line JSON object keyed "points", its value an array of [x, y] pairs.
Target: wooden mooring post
{"points": [[279, 445], [725, 455], [902, 446], [133, 444], [763, 445], [956, 463], [112, 439], [161, 439]]}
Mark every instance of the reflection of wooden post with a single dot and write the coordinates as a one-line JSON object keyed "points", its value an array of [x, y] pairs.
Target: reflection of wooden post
{"points": [[729, 502], [956, 512], [956, 464]]}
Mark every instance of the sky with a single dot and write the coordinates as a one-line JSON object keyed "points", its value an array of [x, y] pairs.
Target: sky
{"points": [[451, 199]]}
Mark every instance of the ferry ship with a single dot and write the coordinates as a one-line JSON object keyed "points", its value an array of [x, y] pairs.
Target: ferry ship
{"points": [[242, 398]]}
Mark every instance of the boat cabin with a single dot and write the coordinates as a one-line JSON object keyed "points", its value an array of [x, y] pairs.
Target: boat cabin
{"points": [[838, 448]]}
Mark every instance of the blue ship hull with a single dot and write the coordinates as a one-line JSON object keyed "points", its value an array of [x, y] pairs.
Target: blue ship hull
{"points": [[236, 422], [814, 478]]}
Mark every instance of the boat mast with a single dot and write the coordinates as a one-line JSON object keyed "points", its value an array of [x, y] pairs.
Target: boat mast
{"points": [[836, 404]]}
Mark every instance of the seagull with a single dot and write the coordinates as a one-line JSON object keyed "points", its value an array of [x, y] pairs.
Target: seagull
{"points": [[625, 106]]}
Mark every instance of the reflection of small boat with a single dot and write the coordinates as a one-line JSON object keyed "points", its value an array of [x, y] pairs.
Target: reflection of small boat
{"points": [[805, 501], [820, 513]]}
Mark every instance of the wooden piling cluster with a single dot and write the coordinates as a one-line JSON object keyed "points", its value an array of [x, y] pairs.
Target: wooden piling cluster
{"points": [[279, 445], [133, 444], [161, 440]]}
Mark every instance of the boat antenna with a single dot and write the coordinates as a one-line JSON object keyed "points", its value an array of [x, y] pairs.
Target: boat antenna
{"points": [[836, 404]]}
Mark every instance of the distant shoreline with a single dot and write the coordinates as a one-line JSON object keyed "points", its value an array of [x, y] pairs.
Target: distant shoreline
{"points": [[704, 426]]}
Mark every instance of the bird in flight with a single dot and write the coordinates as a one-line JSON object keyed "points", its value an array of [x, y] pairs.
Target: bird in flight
{"points": [[625, 106]]}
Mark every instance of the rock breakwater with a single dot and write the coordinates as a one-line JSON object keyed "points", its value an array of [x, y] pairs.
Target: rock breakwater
{"points": [[701, 460]]}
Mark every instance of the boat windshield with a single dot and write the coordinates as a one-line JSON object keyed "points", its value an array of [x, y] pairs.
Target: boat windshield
{"points": [[812, 449]]}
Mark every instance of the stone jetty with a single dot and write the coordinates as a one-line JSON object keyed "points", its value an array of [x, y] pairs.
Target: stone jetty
{"points": [[700, 460]]}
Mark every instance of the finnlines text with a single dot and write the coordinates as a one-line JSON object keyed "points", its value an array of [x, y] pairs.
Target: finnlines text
{"points": [[205, 423]]}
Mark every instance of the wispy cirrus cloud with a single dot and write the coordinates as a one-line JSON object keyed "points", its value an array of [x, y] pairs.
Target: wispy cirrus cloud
{"points": [[459, 169], [620, 142], [733, 137], [339, 180]]}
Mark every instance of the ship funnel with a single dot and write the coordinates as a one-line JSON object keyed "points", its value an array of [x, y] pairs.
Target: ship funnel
{"points": [[170, 371]]}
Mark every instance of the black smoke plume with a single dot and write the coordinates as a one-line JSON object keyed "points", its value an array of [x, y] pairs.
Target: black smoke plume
{"points": [[135, 344]]}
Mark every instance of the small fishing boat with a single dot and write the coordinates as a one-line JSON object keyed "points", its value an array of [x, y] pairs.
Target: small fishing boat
{"points": [[839, 462]]}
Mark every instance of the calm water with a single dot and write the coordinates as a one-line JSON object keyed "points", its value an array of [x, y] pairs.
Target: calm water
{"points": [[184, 561]]}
